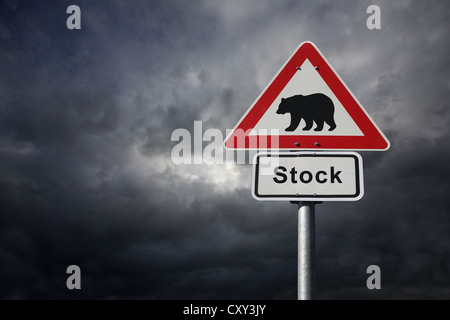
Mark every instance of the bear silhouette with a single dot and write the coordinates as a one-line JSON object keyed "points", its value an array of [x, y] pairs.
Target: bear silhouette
{"points": [[315, 107]]}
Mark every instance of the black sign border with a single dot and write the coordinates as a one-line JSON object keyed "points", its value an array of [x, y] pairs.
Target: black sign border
{"points": [[309, 196]]}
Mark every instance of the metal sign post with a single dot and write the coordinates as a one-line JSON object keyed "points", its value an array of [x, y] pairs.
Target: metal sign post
{"points": [[306, 286]]}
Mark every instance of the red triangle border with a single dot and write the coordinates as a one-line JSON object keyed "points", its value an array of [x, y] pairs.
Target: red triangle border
{"points": [[372, 139]]}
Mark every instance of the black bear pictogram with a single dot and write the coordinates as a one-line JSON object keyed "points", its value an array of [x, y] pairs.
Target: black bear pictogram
{"points": [[315, 107]]}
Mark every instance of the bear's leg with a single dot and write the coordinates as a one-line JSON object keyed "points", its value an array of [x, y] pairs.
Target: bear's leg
{"points": [[332, 124], [319, 125], [309, 124], [295, 121]]}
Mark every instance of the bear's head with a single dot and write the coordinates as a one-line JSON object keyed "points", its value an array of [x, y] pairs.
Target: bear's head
{"points": [[283, 107]]}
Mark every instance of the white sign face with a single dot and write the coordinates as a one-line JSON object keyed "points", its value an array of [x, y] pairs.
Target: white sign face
{"points": [[308, 176], [307, 82]]}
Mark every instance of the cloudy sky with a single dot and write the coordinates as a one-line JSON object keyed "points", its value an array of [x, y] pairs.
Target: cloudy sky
{"points": [[86, 177]]}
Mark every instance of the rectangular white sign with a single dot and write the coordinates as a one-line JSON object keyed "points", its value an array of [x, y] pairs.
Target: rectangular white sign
{"points": [[308, 176]]}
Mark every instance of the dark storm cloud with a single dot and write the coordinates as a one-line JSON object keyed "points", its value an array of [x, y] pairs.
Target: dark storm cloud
{"points": [[86, 176]]}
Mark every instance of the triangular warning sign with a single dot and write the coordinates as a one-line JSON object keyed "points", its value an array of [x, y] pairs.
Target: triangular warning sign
{"points": [[307, 106]]}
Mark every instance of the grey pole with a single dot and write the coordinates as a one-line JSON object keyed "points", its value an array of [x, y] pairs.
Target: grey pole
{"points": [[306, 251]]}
